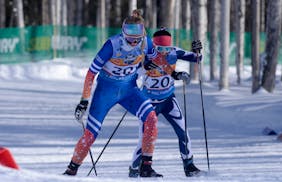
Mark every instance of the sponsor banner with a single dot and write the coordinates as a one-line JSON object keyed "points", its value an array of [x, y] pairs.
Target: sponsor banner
{"points": [[47, 42]]}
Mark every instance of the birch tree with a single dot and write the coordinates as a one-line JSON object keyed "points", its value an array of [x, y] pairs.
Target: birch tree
{"points": [[46, 12], [224, 45], [167, 8], [2, 14], [151, 13], [273, 31], [185, 14], [18, 5], [255, 46], [214, 28], [199, 28], [262, 15], [132, 6], [240, 30], [79, 12], [115, 18], [101, 14]]}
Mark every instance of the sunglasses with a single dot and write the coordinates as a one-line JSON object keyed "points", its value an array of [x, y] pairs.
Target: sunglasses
{"points": [[133, 40], [164, 49]]}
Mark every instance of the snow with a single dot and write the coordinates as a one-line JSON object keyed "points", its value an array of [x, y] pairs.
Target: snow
{"points": [[37, 125]]}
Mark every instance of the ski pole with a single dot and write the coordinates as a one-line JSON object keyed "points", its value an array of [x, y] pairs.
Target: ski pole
{"points": [[185, 115], [90, 153], [203, 111], [93, 167]]}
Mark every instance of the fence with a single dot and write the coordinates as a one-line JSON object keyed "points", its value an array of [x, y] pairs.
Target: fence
{"points": [[38, 43]]}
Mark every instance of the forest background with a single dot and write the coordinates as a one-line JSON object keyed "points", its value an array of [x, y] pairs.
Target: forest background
{"points": [[234, 32]]}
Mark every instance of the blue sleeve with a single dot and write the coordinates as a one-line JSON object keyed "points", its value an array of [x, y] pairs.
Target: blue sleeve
{"points": [[104, 54], [151, 52], [185, 55]]}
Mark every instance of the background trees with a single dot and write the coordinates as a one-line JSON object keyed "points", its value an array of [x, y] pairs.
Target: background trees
{"points": [[201, 17]]}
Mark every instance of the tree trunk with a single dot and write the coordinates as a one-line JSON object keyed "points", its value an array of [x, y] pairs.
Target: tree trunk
{"points": [[262, 15], [255, 46], [64, 18], [55, 12], [115, 18], [2, 14], [46, 12], [101, 13], [166, 13], [151, 14], [224, 45], [177, 14], [72, 12], [186, 15], [18, 4], [80, 9], [273, 27], [199, 24], [214, 28], [132, 6], [240, 30]]}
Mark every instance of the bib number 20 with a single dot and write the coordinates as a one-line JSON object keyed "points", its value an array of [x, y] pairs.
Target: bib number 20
{"points": [[160, 83], [123, 71]]}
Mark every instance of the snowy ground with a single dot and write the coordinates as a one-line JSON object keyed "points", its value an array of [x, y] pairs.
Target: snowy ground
{"points": [[37, 102]]}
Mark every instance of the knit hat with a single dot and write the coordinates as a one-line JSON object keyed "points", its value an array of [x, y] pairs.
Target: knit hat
{"points": [[162, 38]]}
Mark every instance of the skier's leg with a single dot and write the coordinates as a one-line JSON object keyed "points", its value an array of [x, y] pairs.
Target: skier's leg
{"points": [[139, 105], [148, 145], [80, 152], [93, 126], [137, 155], [174, 116]]}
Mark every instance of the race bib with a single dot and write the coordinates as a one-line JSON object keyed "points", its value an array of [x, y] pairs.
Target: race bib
{"points": [[158, 83]]}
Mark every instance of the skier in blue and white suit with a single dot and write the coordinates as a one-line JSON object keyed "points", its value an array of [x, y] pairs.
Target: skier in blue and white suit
{"points": [[158, 84], [117, 63]]}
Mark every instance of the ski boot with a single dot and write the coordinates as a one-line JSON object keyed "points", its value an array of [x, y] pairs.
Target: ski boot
{"points": [[72, 169], [146, 169], [189, 168], [133, 173]]}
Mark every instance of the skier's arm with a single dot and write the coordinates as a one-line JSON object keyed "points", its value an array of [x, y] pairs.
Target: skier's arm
{"points": [[151, 52], [187, 56], [88, 82], [101, 58]]}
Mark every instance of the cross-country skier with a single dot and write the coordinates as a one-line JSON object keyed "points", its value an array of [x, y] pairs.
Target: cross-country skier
{"points": [[158, 84], [117, 63]]}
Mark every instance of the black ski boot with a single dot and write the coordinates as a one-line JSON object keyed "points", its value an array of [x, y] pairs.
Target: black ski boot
{"points": [[146, 170], [72, 169], [133, 173], [189, 168]]}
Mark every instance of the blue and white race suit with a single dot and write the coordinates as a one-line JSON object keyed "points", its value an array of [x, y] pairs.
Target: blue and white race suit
{"points": [[117, 64], [159, 86]]}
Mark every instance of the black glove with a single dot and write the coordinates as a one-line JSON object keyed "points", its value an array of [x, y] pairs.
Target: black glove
{"points": [[197, 46], [181, 76], [80, 109], [150, 65]]}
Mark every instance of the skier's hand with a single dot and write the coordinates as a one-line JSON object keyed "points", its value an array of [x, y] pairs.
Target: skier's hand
{"points": [[150, 65], [181, 76], [197, 46], [80, 110]]}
